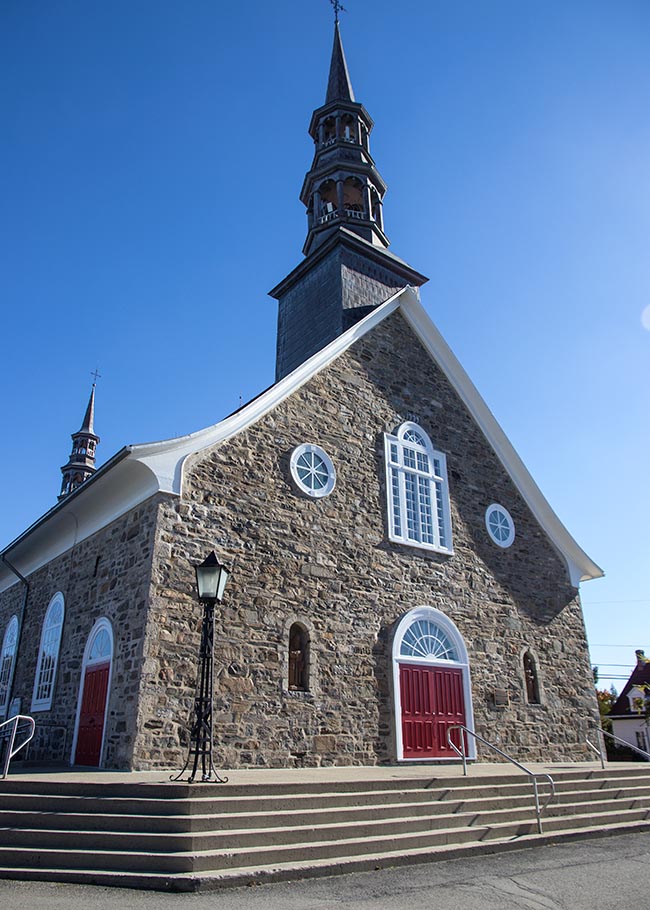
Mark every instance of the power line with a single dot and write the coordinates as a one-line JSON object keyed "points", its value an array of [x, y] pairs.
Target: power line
{"points": [[613, 646]]}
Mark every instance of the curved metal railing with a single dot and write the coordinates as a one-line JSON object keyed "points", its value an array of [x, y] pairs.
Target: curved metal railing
{"points": [[602, 753], [532, 774], [9, 735]]}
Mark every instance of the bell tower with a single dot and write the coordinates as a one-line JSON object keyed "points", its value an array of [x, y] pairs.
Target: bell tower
{"points": [[348, 269], [343, 186], [81, 464]]}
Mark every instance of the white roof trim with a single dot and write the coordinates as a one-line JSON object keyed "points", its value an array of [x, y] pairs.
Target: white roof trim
{"points": [[165, 459], [580, 566]]}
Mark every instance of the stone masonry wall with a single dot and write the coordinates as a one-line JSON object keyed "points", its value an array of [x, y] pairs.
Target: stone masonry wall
{"points": [[108, 575], [328, 564]]}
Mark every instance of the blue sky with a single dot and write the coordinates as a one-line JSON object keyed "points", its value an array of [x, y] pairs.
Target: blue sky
{"points": [[151, 160]]}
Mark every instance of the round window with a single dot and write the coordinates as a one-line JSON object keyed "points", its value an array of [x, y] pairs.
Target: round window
{"points": [[312, 470], [500, 525]]}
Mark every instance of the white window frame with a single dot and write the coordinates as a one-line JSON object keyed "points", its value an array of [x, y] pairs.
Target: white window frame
{"points": [[55, 632], [311, 449], [7, 663], [509, 525], [431, 528]]}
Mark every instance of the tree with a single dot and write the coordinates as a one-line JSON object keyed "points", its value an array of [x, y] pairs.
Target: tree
{"points": [[606, 699]]}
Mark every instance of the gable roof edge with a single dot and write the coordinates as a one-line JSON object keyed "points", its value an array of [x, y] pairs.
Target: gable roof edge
{"points": [[579, 565], [167, 457]]}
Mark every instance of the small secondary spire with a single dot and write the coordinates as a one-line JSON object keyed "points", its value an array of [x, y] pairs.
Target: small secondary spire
{"points": [[81, 464]]}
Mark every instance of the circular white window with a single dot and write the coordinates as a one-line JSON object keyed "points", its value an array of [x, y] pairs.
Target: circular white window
{"points": [[500, 525], [312, 470]]}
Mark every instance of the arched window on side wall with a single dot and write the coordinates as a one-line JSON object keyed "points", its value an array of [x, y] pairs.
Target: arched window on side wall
{"points": [[532, 680], [298, 658], [48, 655], [7, 657]]}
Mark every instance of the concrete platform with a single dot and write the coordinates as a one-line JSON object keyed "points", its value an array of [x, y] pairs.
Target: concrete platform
{"points": [[243, 776]]}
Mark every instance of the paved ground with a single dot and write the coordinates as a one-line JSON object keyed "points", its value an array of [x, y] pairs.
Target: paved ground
{"points": [[611, 873]]}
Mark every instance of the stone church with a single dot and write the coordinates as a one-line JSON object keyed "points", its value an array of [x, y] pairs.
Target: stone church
{"points": [[395, 569]]}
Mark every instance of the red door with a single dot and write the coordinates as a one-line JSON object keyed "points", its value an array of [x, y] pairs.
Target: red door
{"points": [[91, 717], [432, 700]]}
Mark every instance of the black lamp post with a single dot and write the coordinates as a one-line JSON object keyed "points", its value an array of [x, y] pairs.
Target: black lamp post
{"points": [[211, 578]]}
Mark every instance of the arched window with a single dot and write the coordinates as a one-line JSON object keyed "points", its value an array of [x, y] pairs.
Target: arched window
{"points": [[328, 201], [48, 655], [7, 657], [532, 681], [353, 197], [418, 492], [298, 658]]}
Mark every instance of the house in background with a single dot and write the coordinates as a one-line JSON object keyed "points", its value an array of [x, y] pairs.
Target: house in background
{"points": [[395, 568], [630, 714]]}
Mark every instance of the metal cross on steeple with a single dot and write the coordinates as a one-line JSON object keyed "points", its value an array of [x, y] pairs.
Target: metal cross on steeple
{"points": [[96, 375], [338, 8]]}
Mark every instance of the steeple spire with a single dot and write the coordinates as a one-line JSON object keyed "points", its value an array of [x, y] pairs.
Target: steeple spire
{"points": [[339, 87], [81, 464]]}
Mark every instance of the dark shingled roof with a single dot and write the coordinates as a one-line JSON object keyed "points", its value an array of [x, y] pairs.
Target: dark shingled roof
{"points": [[640, 677], [339, 87]]}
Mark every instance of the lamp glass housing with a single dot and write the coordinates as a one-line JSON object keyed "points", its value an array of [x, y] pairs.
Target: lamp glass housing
{"points": [[211, 578]]}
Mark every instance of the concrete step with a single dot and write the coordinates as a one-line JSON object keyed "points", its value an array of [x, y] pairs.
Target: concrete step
{"points": [[433, 813], [177, 836], [219, 850], [240, 875]]}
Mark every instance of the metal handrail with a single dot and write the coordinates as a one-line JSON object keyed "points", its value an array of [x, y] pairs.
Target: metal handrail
{"points": [[11, 736], [603, 752], [532, 774]]}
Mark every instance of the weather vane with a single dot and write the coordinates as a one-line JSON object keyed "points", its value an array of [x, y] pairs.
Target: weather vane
{"points": [[338, 8]]}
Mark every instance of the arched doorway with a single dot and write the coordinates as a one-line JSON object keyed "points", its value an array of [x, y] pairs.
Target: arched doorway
{"points": [[93, 695], [431, 685]]}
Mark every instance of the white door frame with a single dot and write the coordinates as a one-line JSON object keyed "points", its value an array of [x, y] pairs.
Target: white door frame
{"points": [[451, 631], [101, 624]]}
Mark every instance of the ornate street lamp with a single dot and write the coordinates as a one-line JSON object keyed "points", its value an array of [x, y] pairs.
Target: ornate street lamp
{"points": [[211, 578]]}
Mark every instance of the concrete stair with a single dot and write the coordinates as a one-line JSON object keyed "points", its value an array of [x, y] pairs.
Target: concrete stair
{"points": [[176, 836]]}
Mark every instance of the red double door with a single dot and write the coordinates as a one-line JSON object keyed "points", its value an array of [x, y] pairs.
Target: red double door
{"points": [[91, 716], [432, 701]]}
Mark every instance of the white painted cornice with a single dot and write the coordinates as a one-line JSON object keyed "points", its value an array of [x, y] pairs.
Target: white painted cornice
{"points": [[139, 471]]}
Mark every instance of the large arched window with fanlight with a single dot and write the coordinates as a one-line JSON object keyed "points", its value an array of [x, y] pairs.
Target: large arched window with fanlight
{"points": [[7, 658], [418, 490], [48, 654]]}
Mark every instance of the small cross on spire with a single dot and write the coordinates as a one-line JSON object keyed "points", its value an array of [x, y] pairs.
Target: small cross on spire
{"points": [[96, 375], [338, 8]]}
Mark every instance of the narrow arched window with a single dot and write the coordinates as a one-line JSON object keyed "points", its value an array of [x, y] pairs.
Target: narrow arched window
{"points": [[298, 658], [48, 655], [418, 491], [7, 657], [532, 681]]}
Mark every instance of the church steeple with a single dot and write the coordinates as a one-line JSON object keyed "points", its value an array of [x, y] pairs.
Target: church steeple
{"points": [[339, 87], [348, 269], [343, 186], [81, 464]]}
